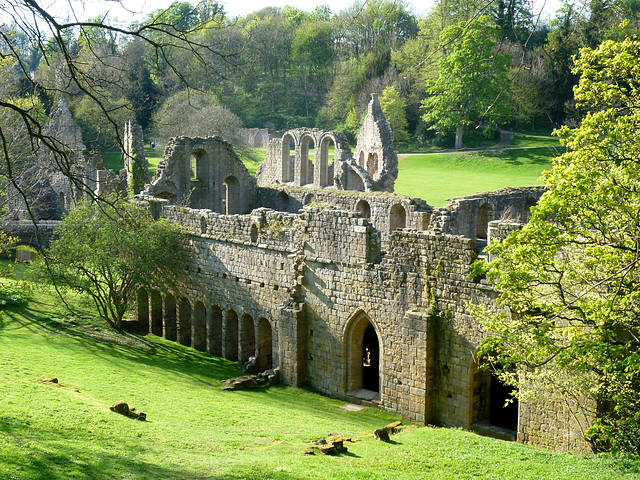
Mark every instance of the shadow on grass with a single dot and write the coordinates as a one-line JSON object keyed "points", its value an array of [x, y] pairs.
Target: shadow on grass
{"points": [[51, 456], [528, 156], [120, 347]]}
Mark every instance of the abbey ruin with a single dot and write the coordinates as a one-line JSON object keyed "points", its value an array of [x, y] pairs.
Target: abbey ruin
{"points": [[316, 267]]}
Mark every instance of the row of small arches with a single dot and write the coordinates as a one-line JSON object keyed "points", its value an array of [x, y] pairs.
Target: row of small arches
{"points": [[219, 332]]}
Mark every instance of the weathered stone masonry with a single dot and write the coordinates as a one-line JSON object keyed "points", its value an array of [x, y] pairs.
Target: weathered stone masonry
{"points": [[362, 294]]}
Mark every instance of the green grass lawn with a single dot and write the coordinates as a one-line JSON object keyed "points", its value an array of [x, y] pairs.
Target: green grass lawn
{"points": [[113, 159], [195, 430], [438, 177]]}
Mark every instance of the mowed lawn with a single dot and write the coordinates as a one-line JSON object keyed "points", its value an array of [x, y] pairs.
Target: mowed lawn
{"points": [[442, 176], [196, 431]]}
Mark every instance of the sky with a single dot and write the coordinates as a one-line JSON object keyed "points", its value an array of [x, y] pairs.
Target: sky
{"points": [[131, 9]]}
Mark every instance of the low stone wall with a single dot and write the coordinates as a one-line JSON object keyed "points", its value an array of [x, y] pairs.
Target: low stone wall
{"points": [[37, 235]]}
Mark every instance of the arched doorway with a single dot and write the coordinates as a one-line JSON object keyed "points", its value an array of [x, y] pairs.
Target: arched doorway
{"points": [[362, 354], [325, 166], [307, 159], [397, 218], [492, 402], [232, 195], [309, 199], [265, 344], [370, 360]]}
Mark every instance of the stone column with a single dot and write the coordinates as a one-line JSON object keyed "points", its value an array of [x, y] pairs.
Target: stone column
{"points": [[292, 345]]}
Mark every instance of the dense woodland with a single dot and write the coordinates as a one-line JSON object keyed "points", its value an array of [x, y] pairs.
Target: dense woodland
{"points": [[464, 65]]}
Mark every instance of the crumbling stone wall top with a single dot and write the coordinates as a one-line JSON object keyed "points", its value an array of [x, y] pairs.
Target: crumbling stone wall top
{"points": [[375, 152]]}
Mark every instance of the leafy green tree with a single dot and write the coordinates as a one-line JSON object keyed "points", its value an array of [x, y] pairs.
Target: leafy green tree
{"points": [[109, 250], [196, 114], [472, 79], [393, 106], [571, 277]]}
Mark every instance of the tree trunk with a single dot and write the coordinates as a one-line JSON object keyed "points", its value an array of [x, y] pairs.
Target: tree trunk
{"points": [[459, 131]]}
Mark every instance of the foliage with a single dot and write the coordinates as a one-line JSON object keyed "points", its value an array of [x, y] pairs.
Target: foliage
{"points": [[571, 276], [393, 106], [196, 114], [110, 250], [472, 78]]}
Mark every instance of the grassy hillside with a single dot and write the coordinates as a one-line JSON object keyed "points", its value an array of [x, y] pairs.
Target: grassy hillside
{"points": [[195, 430], [442, 176]]}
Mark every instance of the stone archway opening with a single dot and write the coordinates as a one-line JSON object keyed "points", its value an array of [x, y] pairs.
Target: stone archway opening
{"points": [[199, 330], [370, 360], [531, 202], [247, 338], [309, 199], [364, 209], [169, 330], [397, 218], [184, 322], [485, 215], [232, 194], [288, 157], [230, 335], [307, 160], [282, 202], [214, 331], [156, 314], [265, 345], [494, 411], [362, 353]]}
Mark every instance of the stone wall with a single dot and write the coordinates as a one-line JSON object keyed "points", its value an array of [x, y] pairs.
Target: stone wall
{"points": [[203, 173], [319, 278], [374, 150], [35, 234], [289, 159], [470, 215], [386, 212], [55, 178]]}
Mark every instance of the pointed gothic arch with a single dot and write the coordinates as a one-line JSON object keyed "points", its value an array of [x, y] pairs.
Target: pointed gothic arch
{"points": [[362, 354]]}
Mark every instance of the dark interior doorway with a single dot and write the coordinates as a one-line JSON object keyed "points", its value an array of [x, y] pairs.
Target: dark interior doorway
{"points": [[370, 360], [499, 414]]}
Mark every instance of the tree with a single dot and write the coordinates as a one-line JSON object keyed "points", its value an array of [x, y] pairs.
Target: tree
{"points": [[393, 106], [471, 80], [109, 250], [571, 277], [85, 68], [195, 114]]}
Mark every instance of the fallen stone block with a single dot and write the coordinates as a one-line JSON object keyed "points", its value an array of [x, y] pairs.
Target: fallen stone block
{"points": [[382, 435]]}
